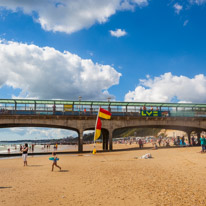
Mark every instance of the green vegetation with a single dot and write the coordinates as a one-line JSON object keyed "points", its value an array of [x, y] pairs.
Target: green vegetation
{"points": [[128, 132], [138, 132]]}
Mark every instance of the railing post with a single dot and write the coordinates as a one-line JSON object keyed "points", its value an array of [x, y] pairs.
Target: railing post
{"points": [[15, 107], [35, 107]]}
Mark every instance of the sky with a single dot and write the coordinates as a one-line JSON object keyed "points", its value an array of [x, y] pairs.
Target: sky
{"points": [[128, 50]]}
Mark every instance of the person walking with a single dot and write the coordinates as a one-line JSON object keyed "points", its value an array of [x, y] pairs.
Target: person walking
{"points": [[55, 161]]}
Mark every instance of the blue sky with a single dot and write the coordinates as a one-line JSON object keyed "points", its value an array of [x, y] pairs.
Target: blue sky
{"points": [[130, 50]]}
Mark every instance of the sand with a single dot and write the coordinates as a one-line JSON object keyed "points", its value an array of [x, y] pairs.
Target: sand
{"points": [[174, 176]]}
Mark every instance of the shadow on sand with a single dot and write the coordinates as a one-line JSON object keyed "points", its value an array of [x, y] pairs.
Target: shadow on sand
{"points": [[1, 188], [35, 165], [64, 171]]}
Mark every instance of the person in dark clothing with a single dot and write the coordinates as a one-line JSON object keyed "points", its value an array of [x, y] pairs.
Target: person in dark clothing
{"points": [[140, 144], [183, 140], [178, 140], [193, 141]]}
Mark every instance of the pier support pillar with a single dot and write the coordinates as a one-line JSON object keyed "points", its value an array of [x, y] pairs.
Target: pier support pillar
{"points": [[189, 136], [80, 143], [198, 138], [110, 140], [105, 138]]}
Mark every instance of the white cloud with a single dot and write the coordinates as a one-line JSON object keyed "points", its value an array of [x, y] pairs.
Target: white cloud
{"points": [[49, 74], [186, 22], [167, 87], [32, 133], [118, 33], [177, 8], [198, 2], [70, 15]]}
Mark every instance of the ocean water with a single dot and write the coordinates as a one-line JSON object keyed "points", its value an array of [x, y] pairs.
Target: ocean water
{"points": [[15, 148]]}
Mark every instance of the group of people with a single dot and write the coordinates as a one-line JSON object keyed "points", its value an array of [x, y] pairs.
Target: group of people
{"points": [[180, 141], [25, 150], [163, 142], [4, 111]]}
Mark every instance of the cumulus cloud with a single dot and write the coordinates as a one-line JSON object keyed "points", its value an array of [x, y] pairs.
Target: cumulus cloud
{"points": [[70, 15], [167, 87], [47, 73], [32, 133], [118, 33], [177, 8]]}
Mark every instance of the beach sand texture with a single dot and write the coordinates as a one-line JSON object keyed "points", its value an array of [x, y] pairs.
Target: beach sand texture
{"points": [[174, 176]]}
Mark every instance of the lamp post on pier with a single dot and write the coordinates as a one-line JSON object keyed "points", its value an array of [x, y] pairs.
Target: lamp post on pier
{"points": [[80, 99]]}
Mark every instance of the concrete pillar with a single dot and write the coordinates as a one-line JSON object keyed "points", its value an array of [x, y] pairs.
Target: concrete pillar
{"points": [[198, 138], [110, 140], [80, 142], [105, 138], [189, 137], [105, 142]]}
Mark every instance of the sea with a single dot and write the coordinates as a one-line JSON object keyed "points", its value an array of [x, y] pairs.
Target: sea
{"points": [[14, 147]]}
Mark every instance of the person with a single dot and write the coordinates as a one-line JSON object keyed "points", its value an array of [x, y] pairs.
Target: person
{"points": [[54, 109], [140, 144], [155, 146], [20, 148], [178, 140], [32, 147], [55, 161], [167, 143], [202, 141], [193, 141], [183, 140], [25, 153], [159, 141]]}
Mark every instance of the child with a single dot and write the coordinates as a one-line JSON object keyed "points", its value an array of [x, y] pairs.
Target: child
{"points": [[154, 146], [55, 161]]}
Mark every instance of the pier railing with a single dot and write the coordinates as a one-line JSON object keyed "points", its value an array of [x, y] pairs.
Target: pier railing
{"points": [[90, 108]]}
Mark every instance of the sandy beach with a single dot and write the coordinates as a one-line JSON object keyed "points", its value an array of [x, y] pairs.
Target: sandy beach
{"points": [[174, 176]]}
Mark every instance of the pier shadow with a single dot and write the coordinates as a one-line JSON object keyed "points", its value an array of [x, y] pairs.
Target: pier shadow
{"points": [[1, 188]]}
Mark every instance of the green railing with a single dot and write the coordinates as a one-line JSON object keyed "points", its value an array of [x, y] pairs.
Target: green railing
{"points": [[68, 107]]}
